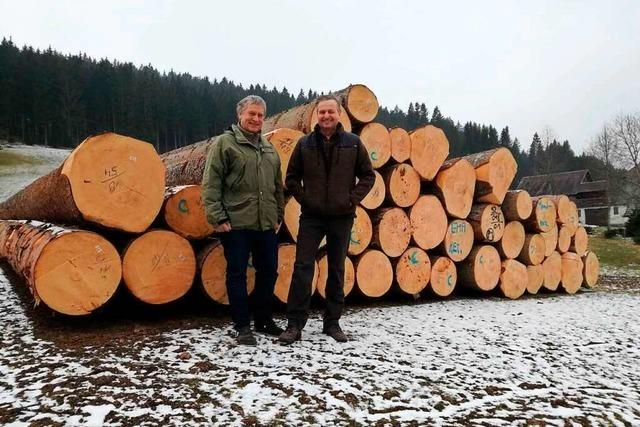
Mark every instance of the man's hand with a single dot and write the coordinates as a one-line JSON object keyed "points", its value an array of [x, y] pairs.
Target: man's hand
{"points": [[223, 228]]}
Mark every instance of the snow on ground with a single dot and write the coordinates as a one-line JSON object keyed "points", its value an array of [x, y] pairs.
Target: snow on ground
{"points": [[466, 361], [14, 178]]}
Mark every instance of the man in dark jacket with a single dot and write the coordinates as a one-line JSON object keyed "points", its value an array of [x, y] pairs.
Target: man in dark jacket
{"points": [[322, 176], [243, 199]]}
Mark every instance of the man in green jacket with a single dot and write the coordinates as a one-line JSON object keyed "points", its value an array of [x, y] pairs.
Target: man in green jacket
{"points": [[244, 201]]}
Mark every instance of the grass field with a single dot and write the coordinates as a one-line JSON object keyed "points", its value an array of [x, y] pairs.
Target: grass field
{"points": [[616, 252], [10, 158]]}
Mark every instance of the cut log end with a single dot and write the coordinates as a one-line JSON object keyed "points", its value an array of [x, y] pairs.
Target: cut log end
{"points": [[429, 149], [543, 217], [428, 222], [580, 241], [77, 273], [376, 139], [550, 240], [361, 232], [591, 269], [284, 140], [360, 102], [213, 273], [517, 205], [564, 238], [444, 276], [374, 273], [116, 181], [455, 187], [513, 279], [458, 240], [481, 269], [413, 271], [323, 273], [552, 269], [572, 268], [487, 221], [159, 267], [533, 250], [495, 176], [512, 240], [400, 144], [402, 184], [286, 260], [184, 212], [535, 275], [392, 232], [376, 195]]}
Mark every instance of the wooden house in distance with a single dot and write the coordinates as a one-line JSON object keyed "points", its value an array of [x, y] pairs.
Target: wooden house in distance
{"points": [[589, 195]]}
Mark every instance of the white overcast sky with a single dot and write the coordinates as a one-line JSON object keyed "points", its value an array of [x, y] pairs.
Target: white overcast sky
{"points": [[569, 65]]}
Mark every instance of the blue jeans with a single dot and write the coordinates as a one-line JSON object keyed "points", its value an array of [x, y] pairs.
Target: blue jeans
{"points": [[263, 247]]}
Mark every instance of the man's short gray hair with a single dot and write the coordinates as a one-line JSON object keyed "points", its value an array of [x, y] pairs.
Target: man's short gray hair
{"points": [[250, 100]]}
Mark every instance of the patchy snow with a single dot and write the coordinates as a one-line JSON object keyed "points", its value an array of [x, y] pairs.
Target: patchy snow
{"points": [[14, 178], [491, 362]]}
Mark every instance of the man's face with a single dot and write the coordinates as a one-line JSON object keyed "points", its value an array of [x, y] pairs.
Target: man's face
{"points": [[251, 118], [328, 114]]}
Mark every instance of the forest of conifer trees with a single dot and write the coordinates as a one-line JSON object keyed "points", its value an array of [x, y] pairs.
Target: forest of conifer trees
{"points": [[54, 99]]}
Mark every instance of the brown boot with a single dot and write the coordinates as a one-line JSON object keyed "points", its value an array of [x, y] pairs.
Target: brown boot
{"points": [[335, 332], [291, 335]]}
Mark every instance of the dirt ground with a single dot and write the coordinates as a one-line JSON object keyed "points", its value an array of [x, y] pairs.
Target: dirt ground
{"points": [[551, 359]]}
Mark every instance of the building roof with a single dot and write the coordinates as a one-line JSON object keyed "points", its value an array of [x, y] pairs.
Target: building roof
{"points": [[571, 183]]}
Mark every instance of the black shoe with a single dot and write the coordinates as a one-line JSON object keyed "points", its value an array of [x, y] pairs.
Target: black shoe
{"points": [[268, 327], [291, 335], [245, 337], [335, 332]]}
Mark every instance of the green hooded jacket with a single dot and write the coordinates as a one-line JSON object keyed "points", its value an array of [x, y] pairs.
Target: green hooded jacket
{"points": [[242, 182]]}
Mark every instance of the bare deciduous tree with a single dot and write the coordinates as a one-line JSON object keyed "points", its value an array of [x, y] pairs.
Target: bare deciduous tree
{"points": [[605, 148], [626, 131]]}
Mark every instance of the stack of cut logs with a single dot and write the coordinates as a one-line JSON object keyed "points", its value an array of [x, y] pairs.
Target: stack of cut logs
{"points": [[427, 224]]}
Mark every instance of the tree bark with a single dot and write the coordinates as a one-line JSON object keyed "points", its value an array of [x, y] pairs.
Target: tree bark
{"points": [[185, 166], [495, 170], [71, 271], [109, 180]]}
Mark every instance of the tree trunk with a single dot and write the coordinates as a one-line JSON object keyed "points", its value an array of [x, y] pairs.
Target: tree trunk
{"points": [[183, 211], [413, 270], [535, 275], [376, 195], [323, 273], [284, 141], [391, 231], [454, 185], [429, 149], [158, 267], [495, 170], [374, 273], [579, 242], [533, 250], [361, 232], [487, 222], [72, 271], [359, 104], [512, 240], [428, 222], [212, 272], [481, 269], [458, 240], [400, 144], [376, 139], [552, 267], [513, 279], [517, 205], [109, 180], [591, 269], [444, 275], [402, 185], [185, 166], [543, 216], [286, 260], [550, 240], [572, 268]]}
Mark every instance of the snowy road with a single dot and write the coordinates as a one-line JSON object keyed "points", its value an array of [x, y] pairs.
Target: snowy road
{"points": [[458, 362]]}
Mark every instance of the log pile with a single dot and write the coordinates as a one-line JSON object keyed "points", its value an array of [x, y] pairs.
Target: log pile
{"points": [[428, 226]]}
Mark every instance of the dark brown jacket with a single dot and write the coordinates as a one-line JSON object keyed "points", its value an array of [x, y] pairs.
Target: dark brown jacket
{"points": [[322, 175]]}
